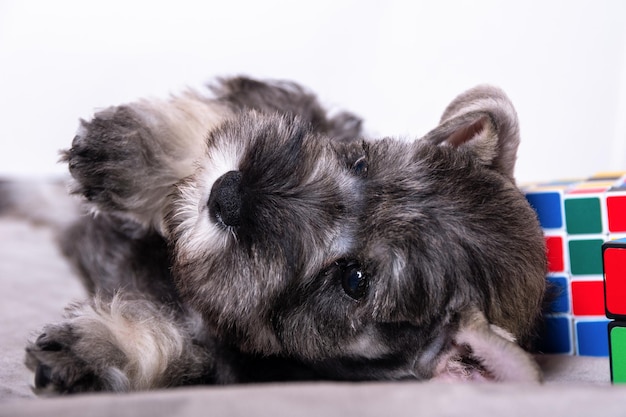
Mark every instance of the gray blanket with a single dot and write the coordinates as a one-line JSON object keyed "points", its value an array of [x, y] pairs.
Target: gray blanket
{"points": [[36, 283]]}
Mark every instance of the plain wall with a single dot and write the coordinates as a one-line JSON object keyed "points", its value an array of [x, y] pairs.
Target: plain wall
{"points": [[397, 64]]}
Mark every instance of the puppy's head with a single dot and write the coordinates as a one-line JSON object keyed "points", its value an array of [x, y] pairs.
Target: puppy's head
{"points": [[387, 259], [272, 202]]}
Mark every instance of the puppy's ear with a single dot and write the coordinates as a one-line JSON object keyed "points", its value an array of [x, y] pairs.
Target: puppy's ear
{"points": [[484, 120], [485, 352]]}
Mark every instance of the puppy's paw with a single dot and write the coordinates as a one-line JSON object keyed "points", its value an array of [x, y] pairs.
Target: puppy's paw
{"points": [[110, 159], [65, 362]]}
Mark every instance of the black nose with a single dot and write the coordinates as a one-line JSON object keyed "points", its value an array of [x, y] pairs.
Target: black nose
{"points": [[225, 199]]}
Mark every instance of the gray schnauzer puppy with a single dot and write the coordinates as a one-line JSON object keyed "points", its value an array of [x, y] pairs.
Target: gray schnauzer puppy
{"points": [[249, 236]]}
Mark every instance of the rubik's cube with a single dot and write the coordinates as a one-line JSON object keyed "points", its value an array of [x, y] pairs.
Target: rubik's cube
{"points": [[614, 259], [578, 217]]}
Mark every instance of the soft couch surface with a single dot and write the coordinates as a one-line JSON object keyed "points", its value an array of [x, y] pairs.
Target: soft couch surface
{"points": [[36, 284]]}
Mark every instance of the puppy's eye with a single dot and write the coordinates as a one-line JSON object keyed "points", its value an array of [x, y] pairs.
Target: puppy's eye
{"points": [[353, 279], [359, 168]]}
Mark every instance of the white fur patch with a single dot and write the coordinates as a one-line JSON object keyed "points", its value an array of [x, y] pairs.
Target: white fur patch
{"points": [[149, 341], [503, 359], [180, 126], [367, 345], [498, 357], [199, 233]]}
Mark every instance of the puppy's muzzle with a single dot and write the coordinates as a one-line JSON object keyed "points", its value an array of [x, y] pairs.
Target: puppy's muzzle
{"points": [[225, 199]]}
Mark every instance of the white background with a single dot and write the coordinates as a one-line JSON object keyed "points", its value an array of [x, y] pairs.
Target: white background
{"points": [[397, 64]]}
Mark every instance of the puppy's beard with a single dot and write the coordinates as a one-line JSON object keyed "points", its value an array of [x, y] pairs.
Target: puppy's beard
{"points": [[196, 232]]}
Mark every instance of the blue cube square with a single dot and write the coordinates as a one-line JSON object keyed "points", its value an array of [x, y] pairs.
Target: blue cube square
{"points": [[592, 338], [556, 336], [558, 294], [548, 207]]}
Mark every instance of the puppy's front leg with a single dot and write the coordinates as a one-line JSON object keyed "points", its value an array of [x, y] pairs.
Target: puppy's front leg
{"points": [[126, 159], [120, 345]]}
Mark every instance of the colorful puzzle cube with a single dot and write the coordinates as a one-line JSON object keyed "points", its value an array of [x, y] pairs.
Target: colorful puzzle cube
{"points": [[578, 217]]}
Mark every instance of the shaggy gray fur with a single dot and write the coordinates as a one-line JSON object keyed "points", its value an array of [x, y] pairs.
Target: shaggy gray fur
{"points": [[248, 236]]}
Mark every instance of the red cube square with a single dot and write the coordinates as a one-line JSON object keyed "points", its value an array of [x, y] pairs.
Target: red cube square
{"points": [[554, 249], [588, 298], [616, 213], [614, 258]]}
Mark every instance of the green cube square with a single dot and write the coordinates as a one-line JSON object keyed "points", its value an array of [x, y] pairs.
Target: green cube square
{"points": [[583, 215], [617, 343], [585, 256]]}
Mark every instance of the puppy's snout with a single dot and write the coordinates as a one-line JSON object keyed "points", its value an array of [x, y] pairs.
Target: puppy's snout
{"points": [[225, 199]]}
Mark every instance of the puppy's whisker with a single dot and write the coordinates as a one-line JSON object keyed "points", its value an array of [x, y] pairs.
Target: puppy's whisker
{"points": [[232, 232]]}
